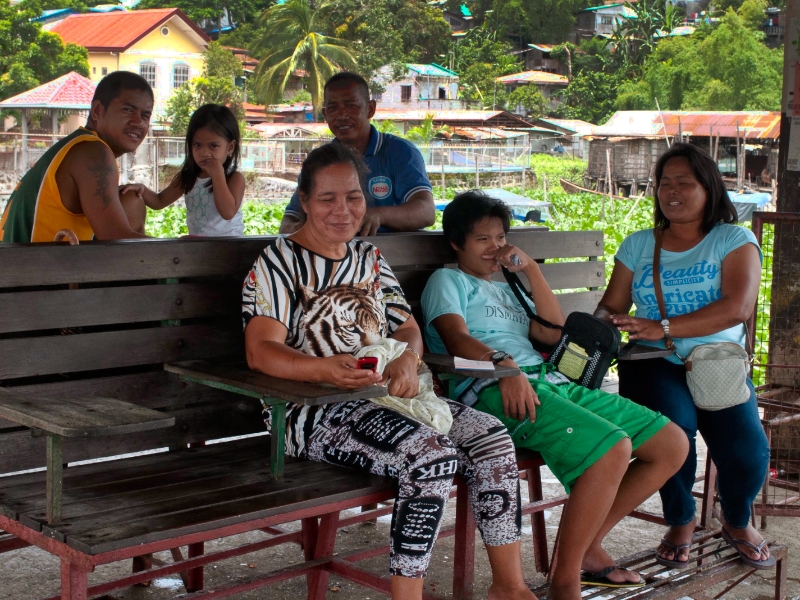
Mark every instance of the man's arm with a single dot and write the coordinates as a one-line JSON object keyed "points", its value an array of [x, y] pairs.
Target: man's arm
{"points": [[96, 178], [416, 213]]}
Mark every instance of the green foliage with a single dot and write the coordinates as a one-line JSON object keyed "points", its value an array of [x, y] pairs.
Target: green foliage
{"points": [[727, 68], [289, 41], [555, 168], [752, 13], [590, 96], [634, 37], [530, 99], [480, 58], [426, 130], [387, 126], [30, 56], [237, 11], [216, 86], [541, 21], [300, 97]]}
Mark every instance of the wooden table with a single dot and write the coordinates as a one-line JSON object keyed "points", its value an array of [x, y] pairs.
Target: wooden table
{"points": [[235, 376], [58, 418]]}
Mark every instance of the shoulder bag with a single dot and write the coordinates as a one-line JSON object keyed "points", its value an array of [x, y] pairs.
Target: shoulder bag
{"points": [[715, 373], [587, 345]]}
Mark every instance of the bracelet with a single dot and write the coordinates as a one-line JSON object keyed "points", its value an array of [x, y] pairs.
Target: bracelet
{"points": [[415, 353]]}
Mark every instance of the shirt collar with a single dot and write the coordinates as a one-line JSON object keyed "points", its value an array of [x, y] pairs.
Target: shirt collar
{"points": [[375, 141]]}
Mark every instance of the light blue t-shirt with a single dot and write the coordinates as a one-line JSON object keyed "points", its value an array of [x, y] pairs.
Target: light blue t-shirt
{"points": [[396, 172], [689, 280], [491, 311]]}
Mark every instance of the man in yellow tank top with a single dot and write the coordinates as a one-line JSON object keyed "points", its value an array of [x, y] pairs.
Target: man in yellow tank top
{"points": [[75, 184]]}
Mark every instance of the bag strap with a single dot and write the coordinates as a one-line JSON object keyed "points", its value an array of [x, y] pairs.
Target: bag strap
{"points": [[668, 342], [516, 286]]}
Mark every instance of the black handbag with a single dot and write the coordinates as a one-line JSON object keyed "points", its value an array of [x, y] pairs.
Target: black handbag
{"points": [[587, 346]]}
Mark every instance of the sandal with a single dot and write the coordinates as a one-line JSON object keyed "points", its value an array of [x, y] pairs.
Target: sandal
{"points": [[676, 550], [600, 578], [735, 543]]}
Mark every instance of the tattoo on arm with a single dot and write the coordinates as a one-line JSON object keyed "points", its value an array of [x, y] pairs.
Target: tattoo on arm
{"points": [[103, 174]]}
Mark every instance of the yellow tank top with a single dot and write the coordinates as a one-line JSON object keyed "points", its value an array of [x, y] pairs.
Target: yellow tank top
{"points": [[35, 212]]}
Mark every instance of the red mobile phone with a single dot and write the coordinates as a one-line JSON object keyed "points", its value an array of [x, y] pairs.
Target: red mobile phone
{"points": [[368, 362]]}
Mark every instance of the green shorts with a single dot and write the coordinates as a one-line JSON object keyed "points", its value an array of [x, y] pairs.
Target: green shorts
{"points": [[574, 425]]}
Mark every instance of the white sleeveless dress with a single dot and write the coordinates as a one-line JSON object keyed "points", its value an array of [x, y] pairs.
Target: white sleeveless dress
{"points": [[202, 215]]}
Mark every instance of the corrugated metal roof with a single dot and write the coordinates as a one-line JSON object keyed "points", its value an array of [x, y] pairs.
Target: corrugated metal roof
{"points": [[306, 129], [579, 127], [482, 133], [70, 91], [542, 47], [595, 8], [466, 118], [642, 123], [537, 77], [432, 70], [118, 31], [678, 31]]}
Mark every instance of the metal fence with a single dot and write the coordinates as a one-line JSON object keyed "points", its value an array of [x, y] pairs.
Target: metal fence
{"points": [[776, 370]]}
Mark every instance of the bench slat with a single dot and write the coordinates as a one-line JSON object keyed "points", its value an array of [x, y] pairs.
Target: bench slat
{"points": [[54, 309], [19, 451], [25, 357]]}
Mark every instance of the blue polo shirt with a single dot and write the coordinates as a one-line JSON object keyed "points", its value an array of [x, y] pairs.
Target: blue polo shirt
{"points": [[396, 172]]}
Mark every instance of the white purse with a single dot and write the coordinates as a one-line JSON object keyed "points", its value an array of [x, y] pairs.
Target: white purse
{"points": [[715, 373]]}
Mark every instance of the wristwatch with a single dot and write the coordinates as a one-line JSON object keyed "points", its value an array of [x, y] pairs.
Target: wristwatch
{"points": [[499, 356], [665, 327]]}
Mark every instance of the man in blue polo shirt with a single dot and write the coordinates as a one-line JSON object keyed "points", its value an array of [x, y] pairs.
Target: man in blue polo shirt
{"points": [[398, 191]]}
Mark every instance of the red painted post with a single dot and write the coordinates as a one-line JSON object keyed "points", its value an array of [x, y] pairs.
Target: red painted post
{"points": [[464, 558], [326, 539], [709, 491], [194, 577], [74, 582], [310, 533], [539, 532]]}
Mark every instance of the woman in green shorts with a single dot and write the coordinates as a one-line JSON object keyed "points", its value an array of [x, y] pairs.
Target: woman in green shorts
{"points": [[586, 437]]}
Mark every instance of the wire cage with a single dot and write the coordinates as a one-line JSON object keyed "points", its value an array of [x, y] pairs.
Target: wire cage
{"points": [[775, 334]]}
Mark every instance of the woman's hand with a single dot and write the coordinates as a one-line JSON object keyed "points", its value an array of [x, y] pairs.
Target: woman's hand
{"points": [[342, 371], [515, 265], [518, 398], [402, 376], [639, 329]]}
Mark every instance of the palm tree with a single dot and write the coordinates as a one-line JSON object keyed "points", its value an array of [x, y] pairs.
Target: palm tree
{"points": [[426, 130], [290, 42]]}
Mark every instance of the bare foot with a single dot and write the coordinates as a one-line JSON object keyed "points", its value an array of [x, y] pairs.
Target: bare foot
{"points": [[748, 534], [570, 591], [596, 559], [677, 536], [498, 592]]}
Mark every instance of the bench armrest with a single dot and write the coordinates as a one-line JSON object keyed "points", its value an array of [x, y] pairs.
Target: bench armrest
{"points": [[443, 363], [235, 376], [81, 417]]}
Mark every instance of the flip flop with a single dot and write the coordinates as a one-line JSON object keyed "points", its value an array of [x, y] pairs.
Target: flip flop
{"points": [[735, 543], [600, 579], [676, 549]]}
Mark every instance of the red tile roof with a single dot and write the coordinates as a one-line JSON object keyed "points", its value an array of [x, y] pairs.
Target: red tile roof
{"points": [[68, 91], [117, 31]]}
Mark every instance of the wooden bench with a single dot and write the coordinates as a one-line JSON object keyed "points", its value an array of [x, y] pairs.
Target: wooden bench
{"points": [[88, 329]]}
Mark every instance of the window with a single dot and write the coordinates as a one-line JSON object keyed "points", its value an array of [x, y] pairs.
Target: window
{"points": [[442, 93], [94, 70], [180, 76], [405, 93], [455, 22], [148, 72], [606, 20], [104, 71]]}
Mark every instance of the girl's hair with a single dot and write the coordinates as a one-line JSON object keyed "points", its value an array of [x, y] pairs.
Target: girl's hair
{"points": [[221, 120], [333, 153], [466, 209], [719, 207]]}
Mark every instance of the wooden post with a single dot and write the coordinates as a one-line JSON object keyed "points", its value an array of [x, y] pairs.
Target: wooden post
{"points": [[525, 164], [444, 187], [608, 174], [54, 121], [55, 468], [24, 116], [477, 172], [738, 161]]}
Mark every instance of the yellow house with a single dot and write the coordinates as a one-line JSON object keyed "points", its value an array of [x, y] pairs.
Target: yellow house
{"points": [[163, 45]]}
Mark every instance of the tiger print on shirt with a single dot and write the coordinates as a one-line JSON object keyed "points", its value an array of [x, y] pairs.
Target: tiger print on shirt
{"points": [[328, 306]]}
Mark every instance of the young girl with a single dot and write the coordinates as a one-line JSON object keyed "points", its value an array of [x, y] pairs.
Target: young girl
{"points": [[209, 180]]}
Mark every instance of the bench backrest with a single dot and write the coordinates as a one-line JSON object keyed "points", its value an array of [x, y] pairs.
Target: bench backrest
{"points": [[100, 319]]}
